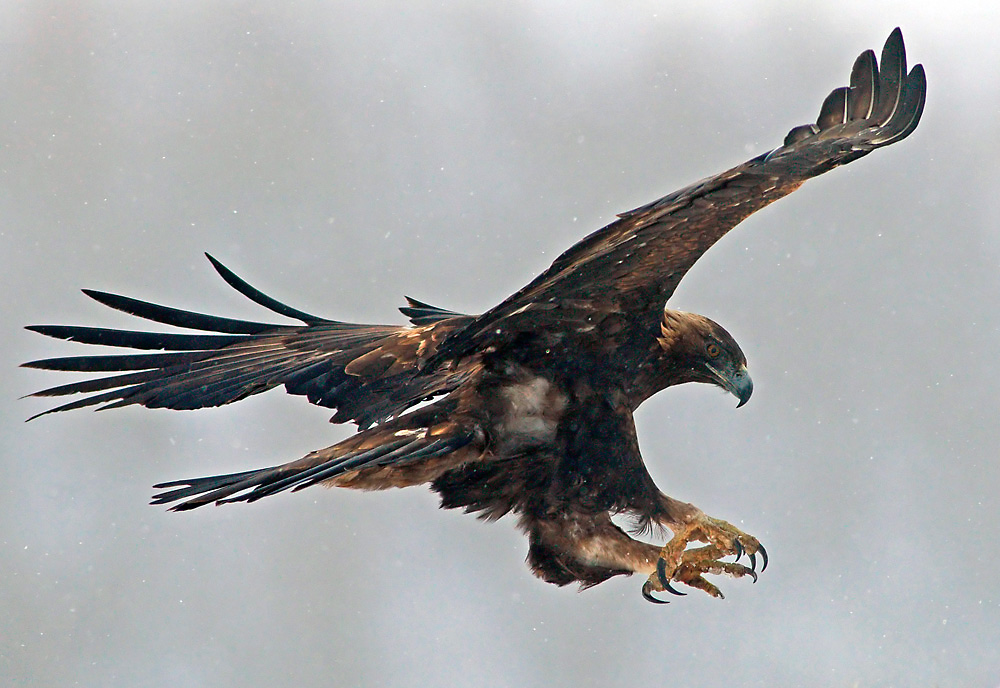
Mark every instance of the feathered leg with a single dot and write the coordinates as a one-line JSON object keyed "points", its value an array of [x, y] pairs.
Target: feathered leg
{"points": [[587, 548]]}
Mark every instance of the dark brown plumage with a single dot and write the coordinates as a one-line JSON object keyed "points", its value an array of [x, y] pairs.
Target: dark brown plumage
{"points": [[529, 405]]}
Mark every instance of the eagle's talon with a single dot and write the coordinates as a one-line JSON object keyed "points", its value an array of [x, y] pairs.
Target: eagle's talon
{"points": [[661, 575], [647, 593], [763, 556], [679, 564], [731, 569], [673, 591], [661, 572]]}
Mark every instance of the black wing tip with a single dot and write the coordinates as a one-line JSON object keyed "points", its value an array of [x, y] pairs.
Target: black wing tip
{"points": [[866, 59], [45, 330], [917, 79], [862, 95], [870, 114], [37, 415], [220, 268], [422, 313], [833, 111], [904, 104], [260, 298], [45, 394], [414, 303], [71, 406]]}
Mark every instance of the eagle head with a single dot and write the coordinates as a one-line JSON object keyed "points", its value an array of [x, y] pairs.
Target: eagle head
{"points": [[696, 349]]}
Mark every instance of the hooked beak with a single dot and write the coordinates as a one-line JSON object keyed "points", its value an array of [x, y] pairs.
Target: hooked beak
{"points": [[737, 383]]}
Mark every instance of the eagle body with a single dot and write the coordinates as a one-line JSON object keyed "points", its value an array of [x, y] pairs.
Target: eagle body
{"points": [[526, 409]]}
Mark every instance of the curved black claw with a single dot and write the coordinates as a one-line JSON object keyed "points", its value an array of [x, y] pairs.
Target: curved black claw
{"points": [[753, 564], [739, 550], [647, 593], [674, 591], [661, 574], [753, 574], [763, 555]]}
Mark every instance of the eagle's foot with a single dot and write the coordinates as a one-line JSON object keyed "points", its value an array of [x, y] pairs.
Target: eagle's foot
{"points": [[677, 563]]}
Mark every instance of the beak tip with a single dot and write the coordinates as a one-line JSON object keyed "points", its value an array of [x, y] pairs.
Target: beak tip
{"points": [[745, 390], [737, 383]]}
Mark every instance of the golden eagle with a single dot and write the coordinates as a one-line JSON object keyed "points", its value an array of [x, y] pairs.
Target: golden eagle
{"points": [[527, 408]]}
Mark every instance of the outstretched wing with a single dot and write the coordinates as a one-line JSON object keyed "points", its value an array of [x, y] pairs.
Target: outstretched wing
{"points": [[631, 267], [366, 372]]}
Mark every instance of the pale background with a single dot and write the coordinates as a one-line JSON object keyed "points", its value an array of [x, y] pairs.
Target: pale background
{"points": [[340, 155]]}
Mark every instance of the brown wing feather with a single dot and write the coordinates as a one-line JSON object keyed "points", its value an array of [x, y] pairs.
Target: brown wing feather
{"points": [[634, 264], [366, 372]]}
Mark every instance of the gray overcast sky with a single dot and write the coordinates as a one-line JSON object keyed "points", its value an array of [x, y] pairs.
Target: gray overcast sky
{"points": [[340, 156]]}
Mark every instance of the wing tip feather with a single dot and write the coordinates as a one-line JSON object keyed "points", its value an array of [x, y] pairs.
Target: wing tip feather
{"points": [[882, 105]]}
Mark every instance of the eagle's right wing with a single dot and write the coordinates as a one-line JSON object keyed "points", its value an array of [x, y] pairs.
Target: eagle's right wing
{"points": [[624, 273]]}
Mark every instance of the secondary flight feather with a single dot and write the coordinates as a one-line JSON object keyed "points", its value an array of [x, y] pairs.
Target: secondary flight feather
{"points": [[527, 408]]}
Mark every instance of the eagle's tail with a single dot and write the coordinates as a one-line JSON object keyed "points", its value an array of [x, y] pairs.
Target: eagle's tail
{"points": [[397, 450]]}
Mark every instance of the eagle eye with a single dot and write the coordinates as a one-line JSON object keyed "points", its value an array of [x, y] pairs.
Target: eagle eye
{"points": [[713, 350]]}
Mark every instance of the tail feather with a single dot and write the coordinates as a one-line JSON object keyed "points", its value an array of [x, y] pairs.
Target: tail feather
{"points": [[392, 444], [196, 486]]}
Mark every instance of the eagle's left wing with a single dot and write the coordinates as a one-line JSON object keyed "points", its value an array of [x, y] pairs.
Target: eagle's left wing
{"points": [[632, 266], [366, 372]]}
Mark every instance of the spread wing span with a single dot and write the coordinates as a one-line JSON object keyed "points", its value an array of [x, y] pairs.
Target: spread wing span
{"points": [[635, 263], [529, 406]]}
